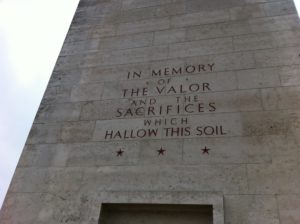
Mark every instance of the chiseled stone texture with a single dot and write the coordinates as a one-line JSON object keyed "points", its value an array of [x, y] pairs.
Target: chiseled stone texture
{"points": [[168, 102]]}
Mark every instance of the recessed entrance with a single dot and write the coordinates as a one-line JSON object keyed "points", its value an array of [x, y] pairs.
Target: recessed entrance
{"points": [[156, 214]]}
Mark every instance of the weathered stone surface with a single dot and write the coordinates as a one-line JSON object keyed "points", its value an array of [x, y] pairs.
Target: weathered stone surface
{"points": [[44, 133], [168, 102], [263, 209], [288, 206], [143, 26], [169, 36], [77, 131], [86, 92], [237, 150], [247, 12], [199, 18]]}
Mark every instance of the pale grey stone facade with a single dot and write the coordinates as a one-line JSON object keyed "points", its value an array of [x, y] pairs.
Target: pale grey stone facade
{"points": [[168, 102]]}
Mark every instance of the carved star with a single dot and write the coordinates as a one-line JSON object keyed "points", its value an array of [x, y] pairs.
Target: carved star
{"points": [[205, 150], [120, 152], [161, 151]]}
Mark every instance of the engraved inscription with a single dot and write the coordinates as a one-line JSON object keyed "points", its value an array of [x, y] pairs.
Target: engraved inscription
{"points": [[158, 123]]}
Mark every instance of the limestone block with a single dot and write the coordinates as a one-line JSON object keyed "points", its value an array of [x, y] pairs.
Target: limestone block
{"points": [[200, 18], [68, 62], [286, 38], [280, 8], [86, 92], [125, 42], [289, 206], [284, 149], [253, 42], [169, 36], [281, 98], [88, 3], [22, 205], [276, 178], [230, 28], [44, 155], [44, 133], [64, 78], [57, 94], [136, 14], [258, 78], [92, 59], [289, 75], [277, 57], [46, 179], [202, 47], [103, 31], [143, 26], [260, 179], [78, 34], [255, 25], [64, 208], [58, 112], [251, 209], [260, 1], [100, 15], [58, 180], [121, 57], [104, 8], [230, 178], [202, 5], [266, 40], [286, 178], [29, 180], [131, 4], [247, 12], [79, 47], [115, 178], [285, 22], [171, 9], [266, 123], [77, 131], [171, 178], [223, 150]]}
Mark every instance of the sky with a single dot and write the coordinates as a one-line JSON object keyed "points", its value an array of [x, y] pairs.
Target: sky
{"points": [[31, 35]]}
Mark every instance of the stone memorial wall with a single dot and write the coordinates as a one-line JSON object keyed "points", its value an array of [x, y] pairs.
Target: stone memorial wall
{"points": [[178, 102]]}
